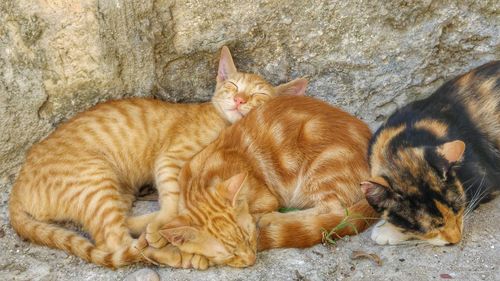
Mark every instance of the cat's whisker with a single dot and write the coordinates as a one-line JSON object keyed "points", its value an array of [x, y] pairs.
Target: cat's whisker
{"points": [[478, 200], [469, 186], [477, 197], [477, 189]]}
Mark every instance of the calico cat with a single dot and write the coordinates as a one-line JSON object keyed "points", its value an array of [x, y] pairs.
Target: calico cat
{"points": [[295, 152], [88, 170], [435, 160]]}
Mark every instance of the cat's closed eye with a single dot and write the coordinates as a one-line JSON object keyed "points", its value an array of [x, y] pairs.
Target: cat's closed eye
{"points": [[230, 86], [260, 94]]}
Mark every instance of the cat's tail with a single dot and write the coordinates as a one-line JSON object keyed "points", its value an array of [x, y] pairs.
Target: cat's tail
{"points": [[71, 242], [302, 229]]}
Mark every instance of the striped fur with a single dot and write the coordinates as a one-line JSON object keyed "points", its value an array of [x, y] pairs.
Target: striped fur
{"points": [[89, 169], [291, 152], [439, 158]]}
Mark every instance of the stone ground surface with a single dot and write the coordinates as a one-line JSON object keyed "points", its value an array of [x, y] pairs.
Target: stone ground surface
{"points": [[476, 258]]}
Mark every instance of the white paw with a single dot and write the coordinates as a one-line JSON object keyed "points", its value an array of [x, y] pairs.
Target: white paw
{"points": [[385, 233]]}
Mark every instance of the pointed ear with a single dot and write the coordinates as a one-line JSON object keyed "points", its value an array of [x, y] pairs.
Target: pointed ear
{"points": [[380, 181], [178, 231], [295, 87], [452, 151], [232, 187], [226, 65], [179, 235], [375, 193]]}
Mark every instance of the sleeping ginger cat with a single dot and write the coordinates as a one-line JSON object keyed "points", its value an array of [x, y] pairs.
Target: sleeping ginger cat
{"points": [[88, 170], [291, 152]]}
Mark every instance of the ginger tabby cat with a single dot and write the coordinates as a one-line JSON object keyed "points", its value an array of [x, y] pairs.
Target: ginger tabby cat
{"points": [[89, 169], [291, 152]]}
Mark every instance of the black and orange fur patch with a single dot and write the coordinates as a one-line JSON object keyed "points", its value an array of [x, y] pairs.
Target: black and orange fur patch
{"points": [[404, 151]]}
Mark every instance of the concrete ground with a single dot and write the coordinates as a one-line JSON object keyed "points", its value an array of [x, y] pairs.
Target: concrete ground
{"points": [[476, 258]]}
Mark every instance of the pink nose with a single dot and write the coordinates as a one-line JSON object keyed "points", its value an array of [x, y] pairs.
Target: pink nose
{"points": [[239, 100]]}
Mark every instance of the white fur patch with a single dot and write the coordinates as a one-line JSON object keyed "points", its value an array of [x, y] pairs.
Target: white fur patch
{"points": [[385, 233]]}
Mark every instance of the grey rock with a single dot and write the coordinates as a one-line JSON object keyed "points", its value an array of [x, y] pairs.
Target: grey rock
{"points": [[369, 57], [144, 274]]}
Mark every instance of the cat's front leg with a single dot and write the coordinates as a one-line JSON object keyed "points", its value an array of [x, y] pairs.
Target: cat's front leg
{"points": [[167, 168], [172, 256], [386, 233]]}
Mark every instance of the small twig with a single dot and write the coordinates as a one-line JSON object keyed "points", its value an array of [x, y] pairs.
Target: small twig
{"points": [[371, 256]]}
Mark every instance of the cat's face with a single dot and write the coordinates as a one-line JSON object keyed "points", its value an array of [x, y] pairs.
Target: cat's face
{"points": [[237, 93], [417, 191], [219, 227]]}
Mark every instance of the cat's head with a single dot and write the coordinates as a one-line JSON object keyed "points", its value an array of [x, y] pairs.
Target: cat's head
{"points": [[218, 226], [236, 93], [416, 190]]}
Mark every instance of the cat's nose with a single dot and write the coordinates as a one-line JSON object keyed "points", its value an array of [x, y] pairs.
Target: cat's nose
{"points": [[454, 240], [249, 258], [239, 100]]}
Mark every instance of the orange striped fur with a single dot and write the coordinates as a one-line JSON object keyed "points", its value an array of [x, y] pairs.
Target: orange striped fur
{"points": [[89, 169], [291, 152]]}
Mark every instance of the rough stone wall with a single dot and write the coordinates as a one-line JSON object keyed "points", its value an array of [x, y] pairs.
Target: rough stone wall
{"points": [[58, 57]]}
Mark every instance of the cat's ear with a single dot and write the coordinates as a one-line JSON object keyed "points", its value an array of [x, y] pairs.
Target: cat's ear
{"points": [[226, 65], [376, 191], [295, 87], [178, 231], [232, 187], [445, 156], [452, 151]]}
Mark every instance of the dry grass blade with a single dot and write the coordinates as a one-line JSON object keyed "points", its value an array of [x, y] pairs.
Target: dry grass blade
{"points": [[332, 235], [361, 254]]}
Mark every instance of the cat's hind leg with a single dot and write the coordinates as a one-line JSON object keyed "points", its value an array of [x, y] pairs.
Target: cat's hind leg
{"points": [[107, 206], [107, 224]]}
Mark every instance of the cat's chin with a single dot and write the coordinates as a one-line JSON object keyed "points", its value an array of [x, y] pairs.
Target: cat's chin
{"points": [[384, 233], [233, 115], [437, 241]]}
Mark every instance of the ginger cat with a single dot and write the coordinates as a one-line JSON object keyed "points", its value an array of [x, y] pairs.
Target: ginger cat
{"points": [[89, 169], [291, 152]]}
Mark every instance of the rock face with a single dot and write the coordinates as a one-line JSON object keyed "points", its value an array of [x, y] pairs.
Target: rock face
{"points": [[59, 57]]}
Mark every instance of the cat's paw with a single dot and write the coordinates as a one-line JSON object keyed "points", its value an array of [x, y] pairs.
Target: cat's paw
{"points": [[266, 220], [194, 261], [166, 256], [384, 233], [154, 237]]}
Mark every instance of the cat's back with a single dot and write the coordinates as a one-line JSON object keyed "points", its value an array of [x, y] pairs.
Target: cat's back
{"points": [[291, 134], [104, 126], [303, 118], [468, 104], [296, 143], [478, 93], [122, 134]]}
